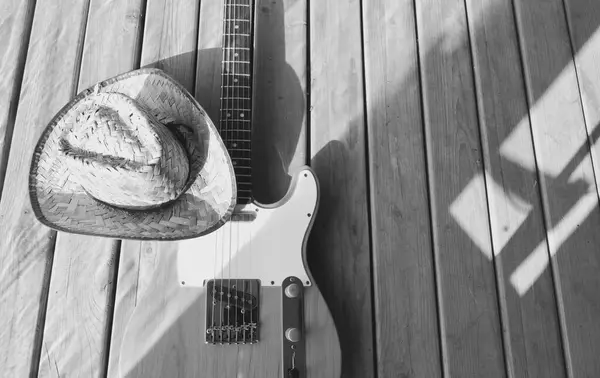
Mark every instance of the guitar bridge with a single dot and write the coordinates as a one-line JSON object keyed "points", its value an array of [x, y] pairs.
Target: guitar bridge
{"points": [[232, 315]]}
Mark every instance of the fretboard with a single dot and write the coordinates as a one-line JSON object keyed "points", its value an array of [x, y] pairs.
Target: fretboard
{"points": [[236, 91]]}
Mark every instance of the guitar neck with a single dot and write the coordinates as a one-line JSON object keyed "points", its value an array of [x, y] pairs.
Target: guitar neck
{"points": [[236, 91]]}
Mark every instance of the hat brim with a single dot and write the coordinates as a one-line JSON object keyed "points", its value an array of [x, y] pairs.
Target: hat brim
{"points": [[60, 203]]}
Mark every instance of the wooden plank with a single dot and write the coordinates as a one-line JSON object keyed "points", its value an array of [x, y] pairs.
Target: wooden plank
{"points": [[84, 269], [169, 43], [532, 337], [584, 24], [26, 246], [79, 307], [338, 249], [569, 191], [171, 38], [279, 143], [16, 19], [405, 295], [470, 326]]}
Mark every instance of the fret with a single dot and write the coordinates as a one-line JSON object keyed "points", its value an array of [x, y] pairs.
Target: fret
{"points": [[240, 103], [232, 29], [235, 20], [232, 37], [245, 168], [238, 163], [237, 131], [244, 134], [231, 113]]}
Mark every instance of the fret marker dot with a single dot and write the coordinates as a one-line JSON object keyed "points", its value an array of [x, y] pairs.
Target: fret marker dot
{"points": [[242, 115], [236, 55], [234, 162], [228, 114], [235, 145], [237, 26], [235, 80]]}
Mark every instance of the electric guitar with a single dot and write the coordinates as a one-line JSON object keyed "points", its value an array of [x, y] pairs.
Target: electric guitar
{"points": [[239, 302]]}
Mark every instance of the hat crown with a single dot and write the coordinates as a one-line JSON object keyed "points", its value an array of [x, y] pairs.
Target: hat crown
{"points": [[121, 155]]}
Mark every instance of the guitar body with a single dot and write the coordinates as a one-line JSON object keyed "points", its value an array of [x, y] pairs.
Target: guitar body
{"points": [[166, 335]]}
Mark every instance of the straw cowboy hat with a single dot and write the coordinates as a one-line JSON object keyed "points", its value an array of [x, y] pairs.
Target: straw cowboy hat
{"points": [[134, 157]]}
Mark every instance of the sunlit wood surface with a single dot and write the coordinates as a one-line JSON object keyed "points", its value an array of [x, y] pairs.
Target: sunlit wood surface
{"points": [[456, 146]]}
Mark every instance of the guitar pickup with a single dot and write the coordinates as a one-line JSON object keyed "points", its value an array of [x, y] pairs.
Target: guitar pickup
{"points": [[232, 311]]}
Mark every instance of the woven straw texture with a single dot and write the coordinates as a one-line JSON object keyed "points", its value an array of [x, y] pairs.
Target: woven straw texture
{"points": [[189, 190]]}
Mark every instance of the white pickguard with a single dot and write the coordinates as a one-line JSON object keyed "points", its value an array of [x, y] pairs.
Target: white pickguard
{"points": [[269, 248]]}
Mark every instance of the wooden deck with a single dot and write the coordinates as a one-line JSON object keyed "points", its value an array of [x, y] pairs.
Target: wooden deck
{"points": [[456, 145]]}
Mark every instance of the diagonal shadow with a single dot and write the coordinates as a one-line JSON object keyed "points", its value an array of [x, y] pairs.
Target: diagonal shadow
{"points": [[275, 144]]}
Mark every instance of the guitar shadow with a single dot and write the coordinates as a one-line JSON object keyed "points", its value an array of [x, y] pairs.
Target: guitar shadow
{"points": [[279, 147]]}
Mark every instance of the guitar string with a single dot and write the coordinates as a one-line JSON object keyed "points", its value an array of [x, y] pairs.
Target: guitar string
{"points": [[224, 101], [247, 56], [231, 63], [222, 131], [237, 249]]}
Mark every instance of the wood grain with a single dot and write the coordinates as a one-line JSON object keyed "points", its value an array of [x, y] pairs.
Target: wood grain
{"points": [[569, 191], [84, 269], [470, 326], [26, 246], [169, 43], [171, 38], [584, 26], [338, 250], [279, 139], [80, 305], [404, 276], [15, 28], [532, 339]]}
